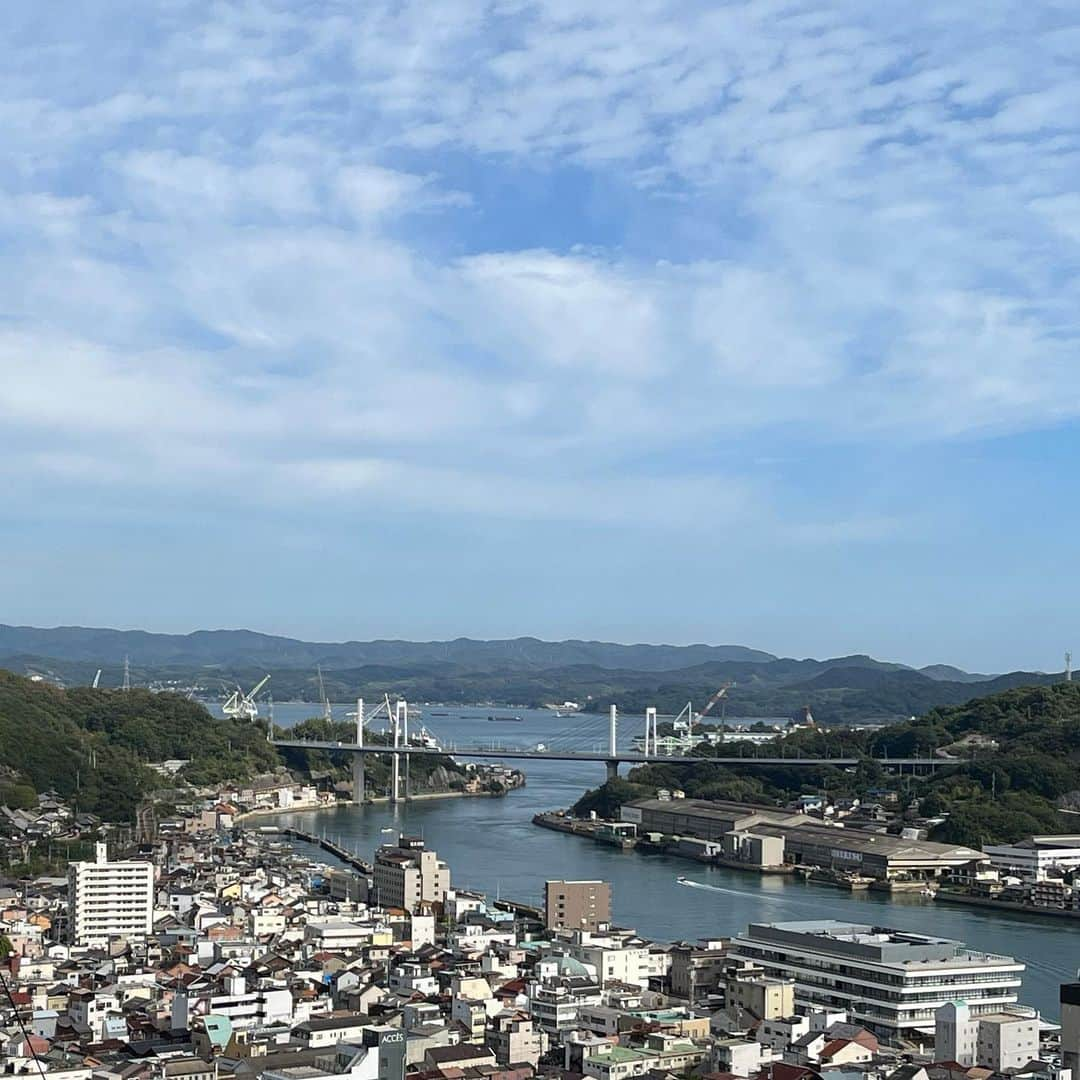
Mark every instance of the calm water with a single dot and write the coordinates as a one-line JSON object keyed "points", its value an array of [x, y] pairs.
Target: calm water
{"points": [[492, 845]]}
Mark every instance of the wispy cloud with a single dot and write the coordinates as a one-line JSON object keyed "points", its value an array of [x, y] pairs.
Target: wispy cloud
{"points": [[253, 239]]}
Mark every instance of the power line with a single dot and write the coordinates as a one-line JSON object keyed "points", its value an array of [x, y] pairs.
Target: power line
{"points": [[22, 1027]]}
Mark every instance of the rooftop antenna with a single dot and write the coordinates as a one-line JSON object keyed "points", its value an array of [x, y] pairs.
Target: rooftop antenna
{"points": [[1068, 667], [127, 673]]}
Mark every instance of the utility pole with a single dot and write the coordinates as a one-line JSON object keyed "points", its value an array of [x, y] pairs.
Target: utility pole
{"points": [[1068, 667]]}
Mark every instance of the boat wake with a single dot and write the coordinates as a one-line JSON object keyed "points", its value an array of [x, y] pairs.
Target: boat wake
{"points": [[758, 896]]}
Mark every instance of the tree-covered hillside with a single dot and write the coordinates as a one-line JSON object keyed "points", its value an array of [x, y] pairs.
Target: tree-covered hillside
{"points": [[1012, 762], [435, 773], [93, 745]]}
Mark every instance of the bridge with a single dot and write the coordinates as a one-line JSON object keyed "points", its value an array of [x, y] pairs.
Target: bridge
{"points": [[400, 748]]}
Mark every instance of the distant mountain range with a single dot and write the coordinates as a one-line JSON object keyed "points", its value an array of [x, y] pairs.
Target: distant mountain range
{"points": [[247, 648], [845, 689]]}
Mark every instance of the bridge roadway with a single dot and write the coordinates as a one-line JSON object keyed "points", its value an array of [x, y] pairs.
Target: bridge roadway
{"points": [[629, 757]]}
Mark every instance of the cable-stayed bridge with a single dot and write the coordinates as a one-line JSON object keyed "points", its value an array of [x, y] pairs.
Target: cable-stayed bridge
{"points": [[571, 745]]}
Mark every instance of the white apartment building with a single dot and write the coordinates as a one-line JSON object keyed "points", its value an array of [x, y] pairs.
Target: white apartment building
{"points": [[619, 957], [409, 876], [109, 899], [259, 1007], [890, 981]]}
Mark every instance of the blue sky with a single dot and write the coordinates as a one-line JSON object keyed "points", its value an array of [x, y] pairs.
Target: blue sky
{"points": [[665, 321]]}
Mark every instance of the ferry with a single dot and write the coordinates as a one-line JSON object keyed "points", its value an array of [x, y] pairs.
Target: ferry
{"points": [[425, 739]]}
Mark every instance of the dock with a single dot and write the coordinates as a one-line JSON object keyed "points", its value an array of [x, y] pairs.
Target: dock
{"points": [[349, 858]]}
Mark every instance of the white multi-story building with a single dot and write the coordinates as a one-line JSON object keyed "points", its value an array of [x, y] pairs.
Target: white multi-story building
{"points": [[1036, 857], [619, 956], [1007, 1041], [891, 981], [261, 1006], [955, 1034], [109, 899], [1004, 1041]]}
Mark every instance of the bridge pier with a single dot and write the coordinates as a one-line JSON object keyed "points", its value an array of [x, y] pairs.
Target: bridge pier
{"points": [[358, 779], [612, 769]]}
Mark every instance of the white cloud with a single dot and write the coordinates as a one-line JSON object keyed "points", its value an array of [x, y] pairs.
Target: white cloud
{"points": [[260, 225]]}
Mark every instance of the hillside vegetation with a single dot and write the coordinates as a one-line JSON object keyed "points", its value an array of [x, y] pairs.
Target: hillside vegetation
{"points": [[93, 745], [1014, 764]]}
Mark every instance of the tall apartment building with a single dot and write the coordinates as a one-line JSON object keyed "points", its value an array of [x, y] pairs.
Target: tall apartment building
{"points": [[890, 981], [109, 899], [409, 876], [577, 905]]}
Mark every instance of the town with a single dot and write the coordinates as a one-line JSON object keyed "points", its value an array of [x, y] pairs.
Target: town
{"points": [[218, 949]]}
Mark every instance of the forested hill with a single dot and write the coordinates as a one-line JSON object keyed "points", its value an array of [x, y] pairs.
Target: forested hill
{"points": [[1011, 763], [237, 648], [53, 739]]}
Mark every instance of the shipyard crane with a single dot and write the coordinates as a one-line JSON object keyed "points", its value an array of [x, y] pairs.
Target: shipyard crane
{"points": [[328, 713], [713, 700], [243, 705]]}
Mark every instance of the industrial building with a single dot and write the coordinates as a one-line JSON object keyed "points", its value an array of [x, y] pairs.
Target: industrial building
{"points": [[762, 837], [890, 981], [1034, 858], [109, 899]]}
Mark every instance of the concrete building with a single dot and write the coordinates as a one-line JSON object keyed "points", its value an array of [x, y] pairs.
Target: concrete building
{"points": [[890, 981], [955, 1033], [577, 905], [763, 996], [1004, 1041], [409, 876], [513, 1038], [109, 899], [740, 1057], [240, 1006], [1007, 1040], [1069, 997], [759, 836], [620, 957], [696, 969], [1036, 857]]}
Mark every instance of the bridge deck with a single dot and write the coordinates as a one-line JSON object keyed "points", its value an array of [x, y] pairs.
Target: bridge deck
{"points": [[629, 757]]}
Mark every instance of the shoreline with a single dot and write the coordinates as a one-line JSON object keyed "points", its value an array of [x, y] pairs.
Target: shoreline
{"points": [[376, 800], [1007, 907]]}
